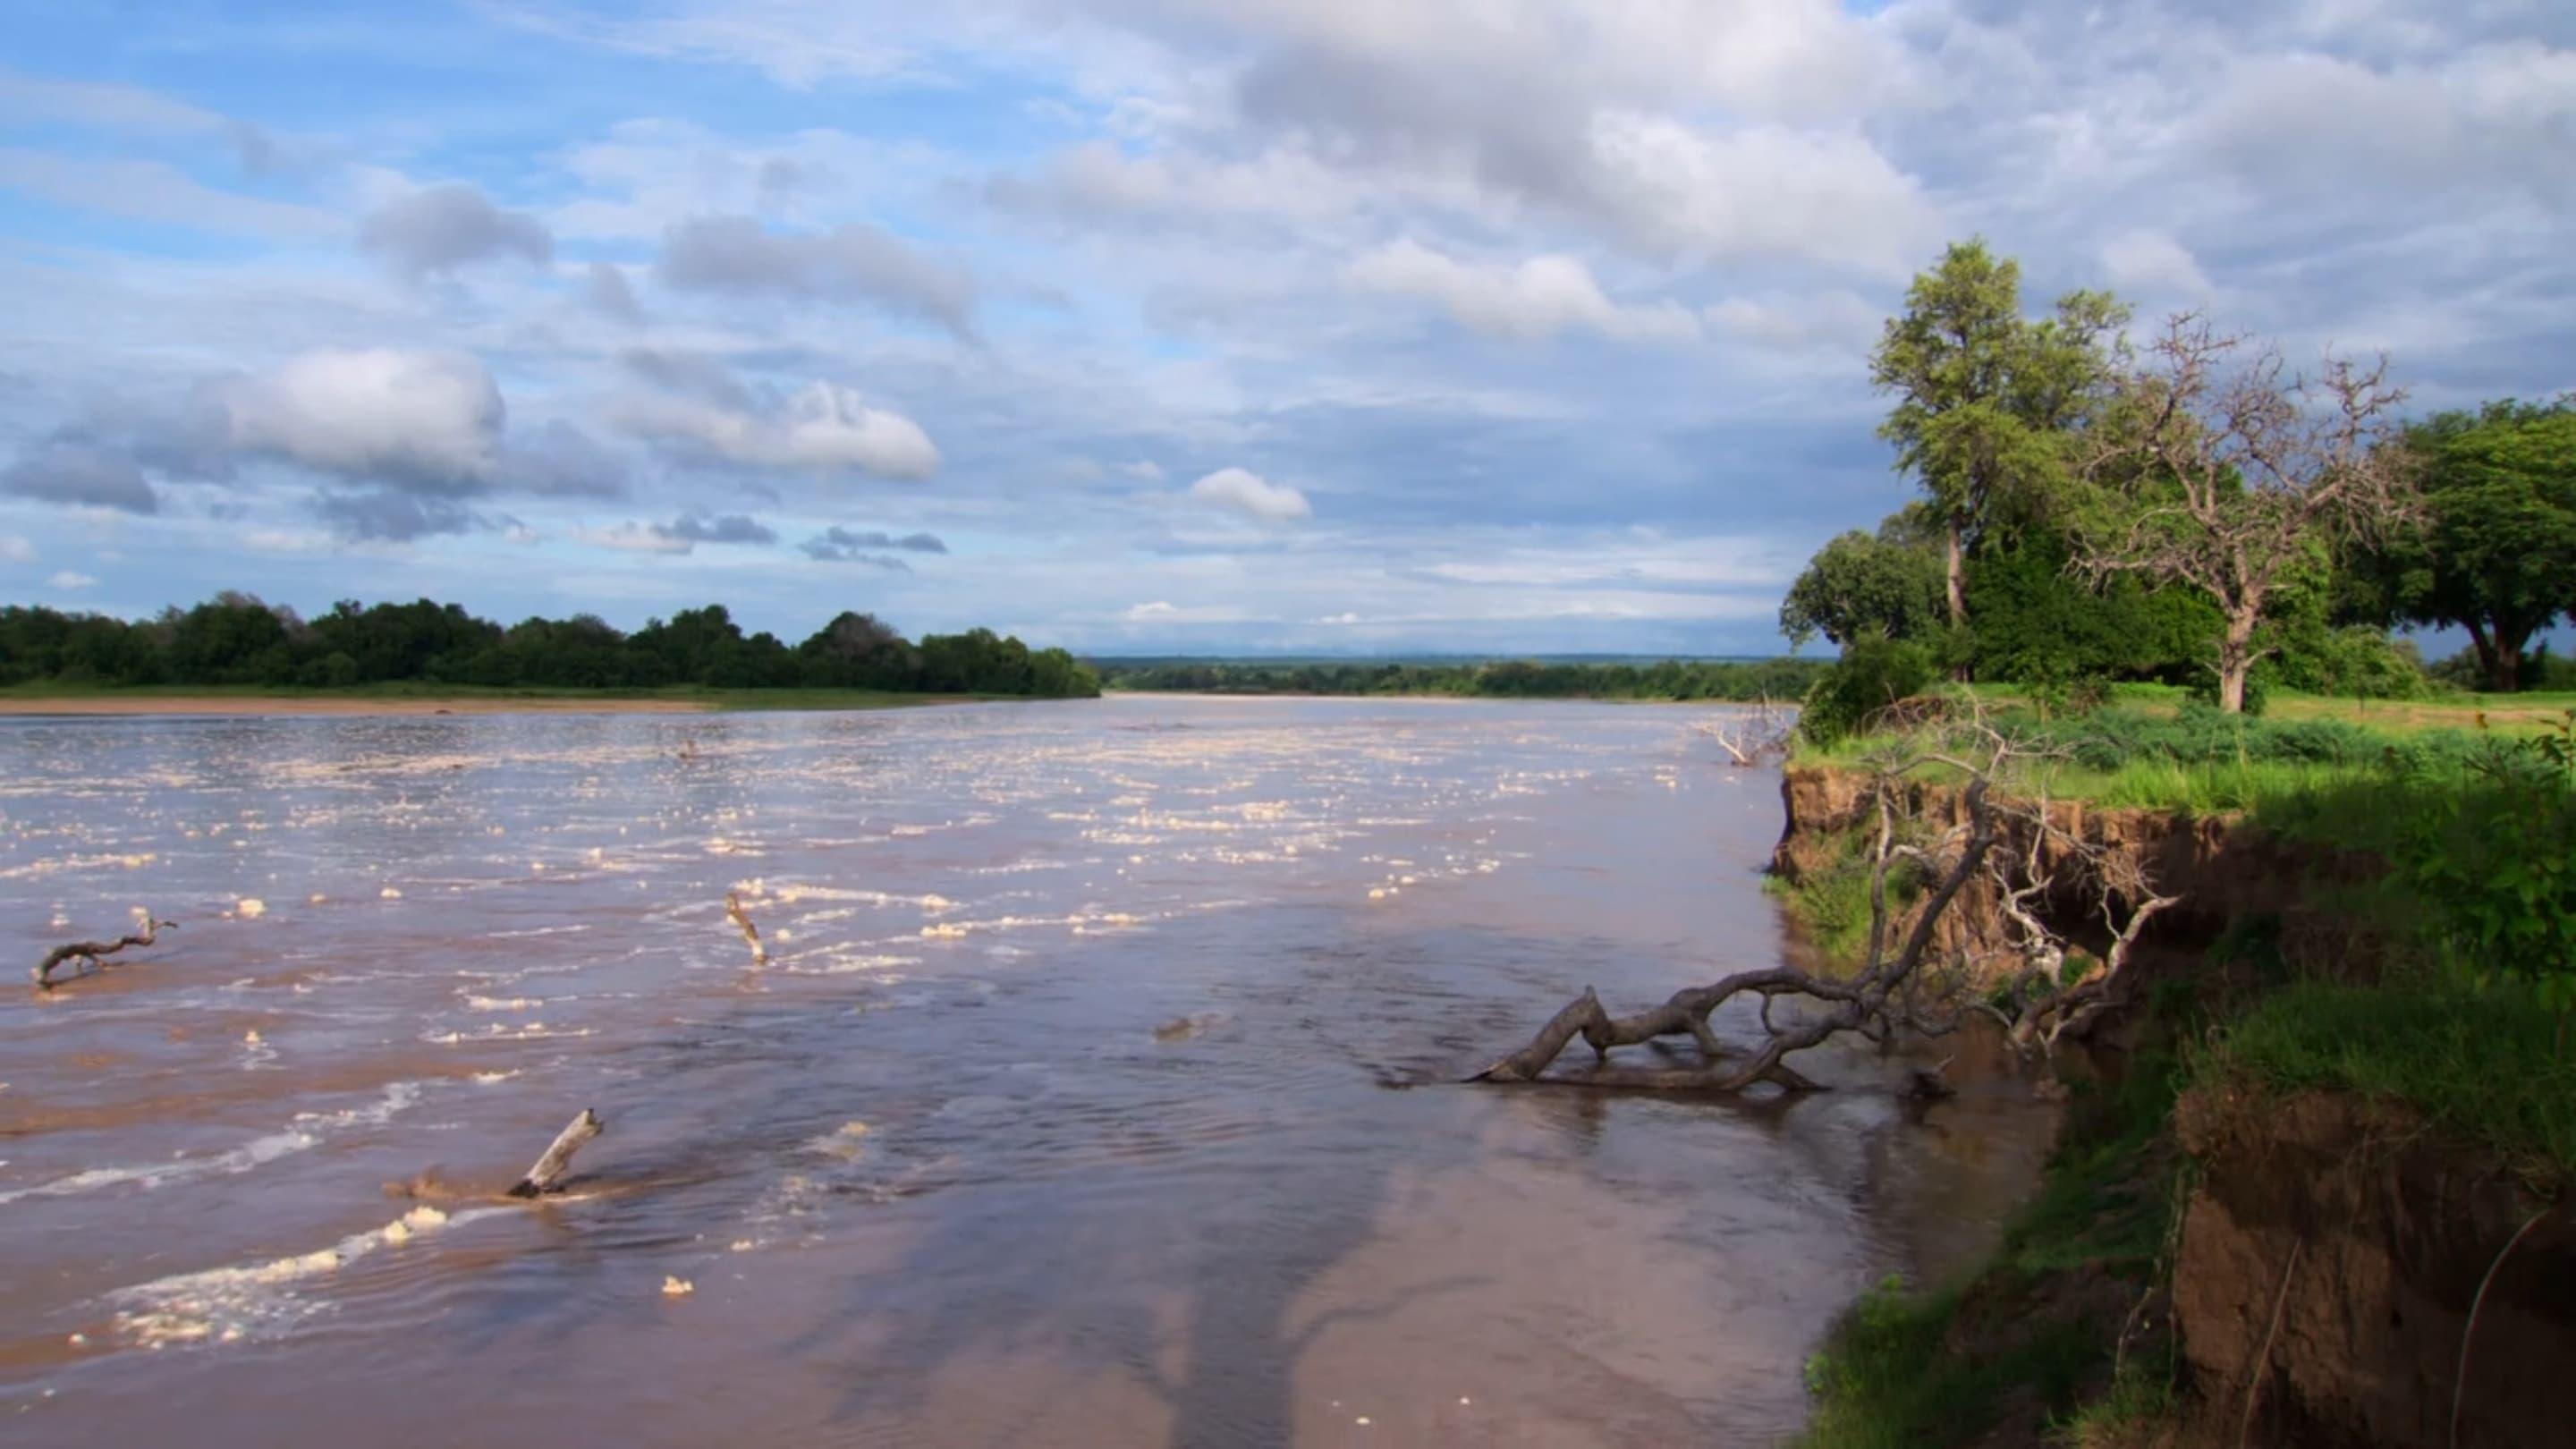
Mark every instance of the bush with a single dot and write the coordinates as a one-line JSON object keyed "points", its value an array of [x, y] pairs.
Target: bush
{"points": [[1871, 675], [2356, 663]]}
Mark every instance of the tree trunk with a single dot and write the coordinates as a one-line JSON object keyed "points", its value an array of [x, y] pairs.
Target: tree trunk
{"points": [[2236, 660], [1957, 584], [2504, 675], [2492, 669]]}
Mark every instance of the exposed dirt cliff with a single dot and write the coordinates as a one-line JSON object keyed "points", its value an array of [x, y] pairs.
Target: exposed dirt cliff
{"points": [[2224, 872], [2329, 1259]]}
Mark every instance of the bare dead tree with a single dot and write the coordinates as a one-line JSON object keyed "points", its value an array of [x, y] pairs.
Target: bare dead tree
{"points": [[2229, 471], [1899, 982], [742, 922], [93, 954], [1751, 736]]}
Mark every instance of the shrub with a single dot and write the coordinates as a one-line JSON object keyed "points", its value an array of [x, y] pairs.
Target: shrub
{"points": [[1871, 675]]}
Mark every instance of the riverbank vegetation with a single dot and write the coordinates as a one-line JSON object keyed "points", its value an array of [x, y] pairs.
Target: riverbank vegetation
{"points": [[237, 641], [2169, 579]]}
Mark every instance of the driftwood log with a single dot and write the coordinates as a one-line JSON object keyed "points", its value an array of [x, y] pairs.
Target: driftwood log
{"points": [[1876, 1000], [550, 1169], [742, 922], [94, 953]]}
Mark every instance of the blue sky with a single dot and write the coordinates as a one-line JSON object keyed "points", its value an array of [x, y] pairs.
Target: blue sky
{"points": [[1161, 325]]}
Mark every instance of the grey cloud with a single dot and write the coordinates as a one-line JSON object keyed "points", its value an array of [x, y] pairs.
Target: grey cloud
{"points": [[706, 528], [72, 474], [697, 374], [442, 228], [851, 263], [610, 295], [560, 461], [842, 545], [386, 514]]}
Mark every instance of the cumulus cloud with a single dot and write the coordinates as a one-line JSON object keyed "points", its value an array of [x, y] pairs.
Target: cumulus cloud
{"points": [[73, 474], [1251, 494], [1143, 470], [843, 545], [432, 419], [69, 580], [823, 427], [850, 263], [2142, 261], [437, 230], [1538, 298], [14, 548]]}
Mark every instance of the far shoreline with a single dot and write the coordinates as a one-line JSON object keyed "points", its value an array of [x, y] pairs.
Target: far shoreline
{"points": [[253, 703]]}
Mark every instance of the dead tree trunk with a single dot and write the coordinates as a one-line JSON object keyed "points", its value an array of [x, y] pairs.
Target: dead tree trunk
{"points": [[1877, 999], [94, 953], [549, 1171]]}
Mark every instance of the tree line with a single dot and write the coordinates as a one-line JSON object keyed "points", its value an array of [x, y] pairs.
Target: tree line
{"points": [[2189, 509], [237, 639], [1782, 679]]}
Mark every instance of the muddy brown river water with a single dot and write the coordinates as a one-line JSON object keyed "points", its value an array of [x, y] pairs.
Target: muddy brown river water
{"points": [[933, 1175]]}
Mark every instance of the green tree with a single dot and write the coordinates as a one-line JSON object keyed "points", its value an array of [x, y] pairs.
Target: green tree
{"points": [[1986, 401], [2495, 551], [1887, 584]]}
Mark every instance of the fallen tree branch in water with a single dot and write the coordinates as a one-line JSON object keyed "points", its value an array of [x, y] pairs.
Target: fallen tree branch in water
{"points": [[742, 923], [549, 1171], [96, 952], [1879, 998]]}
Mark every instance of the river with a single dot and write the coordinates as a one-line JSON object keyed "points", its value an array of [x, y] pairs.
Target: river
{"points": [[1098, 1090]]}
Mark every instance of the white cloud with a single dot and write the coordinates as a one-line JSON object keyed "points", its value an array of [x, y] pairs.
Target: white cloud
{"points": [[1143, 470], [1249, 493], [823, 427], [1538, 298], [69, 580], [1764, 193], [1838, 319], [426, 416], [1164, 612], [2148, 262], [14, 548]]}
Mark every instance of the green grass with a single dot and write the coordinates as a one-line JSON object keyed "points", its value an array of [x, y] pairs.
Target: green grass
{"points": [[1887, 1380], [2486, 1068], [417, 690]]}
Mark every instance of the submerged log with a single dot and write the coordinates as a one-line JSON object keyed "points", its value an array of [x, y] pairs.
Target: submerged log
{"points": [[95, 952], [742, 922], [549, 1171]]}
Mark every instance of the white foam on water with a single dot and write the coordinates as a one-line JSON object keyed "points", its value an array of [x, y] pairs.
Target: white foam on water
{"points": [[77, 862], [258, 1300], [307, 1131]]}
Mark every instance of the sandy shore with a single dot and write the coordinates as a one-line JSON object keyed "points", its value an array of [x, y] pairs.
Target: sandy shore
{"points": [[123, 704]]}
